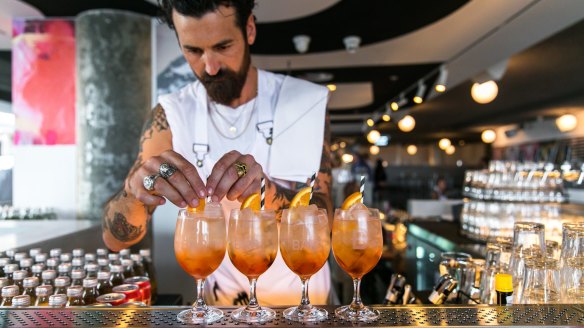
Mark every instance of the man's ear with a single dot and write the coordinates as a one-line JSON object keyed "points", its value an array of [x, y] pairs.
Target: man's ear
{"points": [[250, 28]]}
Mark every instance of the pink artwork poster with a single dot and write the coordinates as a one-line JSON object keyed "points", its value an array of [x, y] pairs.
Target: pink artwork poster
{"points": [[43, 81]]}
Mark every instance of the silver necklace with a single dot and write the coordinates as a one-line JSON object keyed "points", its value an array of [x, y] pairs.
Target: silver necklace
{"points": [[231, 124]]}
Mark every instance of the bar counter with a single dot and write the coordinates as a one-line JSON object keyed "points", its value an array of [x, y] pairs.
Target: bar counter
{"points": [[557, 315]]}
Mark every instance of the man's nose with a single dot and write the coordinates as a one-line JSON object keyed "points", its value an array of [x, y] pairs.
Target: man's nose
{"points": [[212, 65]]}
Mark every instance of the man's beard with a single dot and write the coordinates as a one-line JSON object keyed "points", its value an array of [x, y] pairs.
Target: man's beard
{"points": [[225, 86]]}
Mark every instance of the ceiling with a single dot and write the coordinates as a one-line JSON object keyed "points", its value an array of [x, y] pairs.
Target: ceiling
{"points": [[401, 43]]}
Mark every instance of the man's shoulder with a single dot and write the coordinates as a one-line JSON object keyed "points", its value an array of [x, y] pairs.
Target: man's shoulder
{"points": [[186, 92]]}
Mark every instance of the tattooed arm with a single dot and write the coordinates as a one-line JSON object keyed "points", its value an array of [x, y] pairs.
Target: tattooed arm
{"points": [[278, 197], [125, 216]]}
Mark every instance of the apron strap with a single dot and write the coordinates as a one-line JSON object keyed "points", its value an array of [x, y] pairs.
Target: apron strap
{"points": [[201, 142]]}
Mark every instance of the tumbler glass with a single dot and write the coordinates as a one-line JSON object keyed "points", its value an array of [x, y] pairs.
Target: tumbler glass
{"points": [[542, 282]]}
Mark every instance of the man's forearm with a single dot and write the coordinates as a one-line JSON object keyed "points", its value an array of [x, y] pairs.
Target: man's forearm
{"points": [[124, 221]]}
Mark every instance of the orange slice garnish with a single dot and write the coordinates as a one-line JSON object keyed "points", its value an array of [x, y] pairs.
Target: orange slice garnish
{"points": [[353, 199], [302, 197], [252, 201], [197, 209]]}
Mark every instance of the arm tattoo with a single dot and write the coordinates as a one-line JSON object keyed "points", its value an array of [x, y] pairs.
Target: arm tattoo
{"points": [[121, 229]]}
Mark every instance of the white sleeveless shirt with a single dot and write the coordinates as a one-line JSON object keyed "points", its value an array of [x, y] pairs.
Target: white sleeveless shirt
{"points": [[203, 138]]}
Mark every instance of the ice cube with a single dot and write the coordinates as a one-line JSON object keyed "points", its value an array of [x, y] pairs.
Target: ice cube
{"points": [[213, 209], [246, 214]]}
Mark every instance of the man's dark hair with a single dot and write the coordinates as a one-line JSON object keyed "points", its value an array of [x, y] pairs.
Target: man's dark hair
{"points": [[198, 8]]}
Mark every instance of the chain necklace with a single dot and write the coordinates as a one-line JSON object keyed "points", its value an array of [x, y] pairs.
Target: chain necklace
{"points": [[231, 124]]}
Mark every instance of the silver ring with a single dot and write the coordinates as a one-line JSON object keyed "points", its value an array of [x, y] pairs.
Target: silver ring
{"points": [[166, 170], [149, 181]]}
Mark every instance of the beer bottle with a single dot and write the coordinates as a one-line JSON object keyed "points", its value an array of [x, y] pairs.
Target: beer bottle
{"points": [[42, 295], [77, 277], [124, 254], [30, 284], [9, 272], [52, 263], [61, 284], [40, 258], [8, 294], [91, 270], [75, 296], [34, 251], [78, 253], [37, 271], [26, 265], [114, 259], [3, 262], [101, 253], [128, 268], [90, 258], [65, 257], [104, 285], [55, 252], [19, 280], [21, 301], [90, 292], [117, 276], [57, 300], [138, 266], [64, 270], [150, 272], [103, 264], [10, 254], [48, 277], [19, 256], [77, 263]]}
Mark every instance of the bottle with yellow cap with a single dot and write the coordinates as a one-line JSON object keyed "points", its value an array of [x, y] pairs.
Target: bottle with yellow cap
{"points": [[504, 288]]}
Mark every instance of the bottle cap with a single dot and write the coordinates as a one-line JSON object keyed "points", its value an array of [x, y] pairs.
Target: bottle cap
{"points": [[127, 262], [145, 252], [65, 257], [20, 274], [101, 252], [55, 252], [10, 291], [89, 282], [26, 262], [4, 261], [125, 252], [136, 258], [113, 256], [19, 256], [78, 252], [77, 262], [30, 282], [103, 262], [44, 290], [34, 251], [91, 267], [74, 291], [117, 268], [103, 275], [62, 281], [90, 257], [64, 268], [21, 300], [77, 274], [503, 282], [49, 274], [37, 268], [52, 262], [10, 252], [57, 300], [40, 258], [10, 268]]}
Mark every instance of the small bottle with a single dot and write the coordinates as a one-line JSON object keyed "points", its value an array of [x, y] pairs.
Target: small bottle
{"points": [[504, 288], [117, 275], [37, 271], [40, 258], [103, 265], [77, 277], [65, 257], [114, 259], [8, 293], [21, 301], [30, 284], [104, 285], [138, 266], [58, 300], [26, 264], [42, 295], [125, 253], [3, 262], [19, 276], [90, 292], [150, 272], [34, 251], [77, 263], [101, 253], [61, 284], [48, 277], [10, 254], [64, 270], [9, 270], [91, 269], [55, 252], [78, 253], [52, 263], [128, 268], [19, 256], [90, 258], [75, 296]]}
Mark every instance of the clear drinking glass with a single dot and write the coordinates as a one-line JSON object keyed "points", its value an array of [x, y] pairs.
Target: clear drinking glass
{"points": [[252, 247], [357, 244], [199, 247], [572, 263], [305, 246], [528, 241], [542, 281], [457, 265]]}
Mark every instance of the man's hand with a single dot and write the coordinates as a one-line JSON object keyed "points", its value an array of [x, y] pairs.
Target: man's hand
{"points": [[183, 187], [225, 181]]}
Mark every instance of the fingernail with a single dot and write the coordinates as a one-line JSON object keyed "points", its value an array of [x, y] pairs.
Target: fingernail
{"points": [[215, 198], [162, 201], [209, 191], [183, 204], [194, 202], [202, 194]]}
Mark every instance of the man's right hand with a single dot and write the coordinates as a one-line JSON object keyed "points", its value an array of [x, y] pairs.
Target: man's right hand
{"points": [[183, 187]]}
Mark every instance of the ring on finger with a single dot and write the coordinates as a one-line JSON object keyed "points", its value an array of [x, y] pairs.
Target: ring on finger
{"points": [[149, 181], [241, 169], [166, 170]]}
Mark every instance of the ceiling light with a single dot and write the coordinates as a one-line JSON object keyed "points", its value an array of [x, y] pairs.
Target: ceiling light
{"points": [[441, 81], [385, 163], [406, 124], [386, 117], [488, 136], [347, 158], [419, 98], [331, 87], [334, 147], [444, 143], [373, 136], [399, 103], [412, 150], [370, 122], [352, 43], [342, 144], [301, 43], [566, 123], [374, 150], [450, 150], [484, 93]]}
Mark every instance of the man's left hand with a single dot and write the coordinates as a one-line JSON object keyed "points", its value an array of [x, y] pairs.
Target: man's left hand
{"points": [[235, 176]]}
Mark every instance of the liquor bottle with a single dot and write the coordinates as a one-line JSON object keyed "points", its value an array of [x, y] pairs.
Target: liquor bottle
{"points": [[58, 300], [125, 253], [34, 251], [40, 258], [128, 268], [26, 265], [48, 277], [101, 253], [30, 284], [114, 259], [150, 272], [9, 272], [104, 285], [18, 277], [78, 253], [77, 263], [8, 293], [21, 301], [77, 277], [65, 257], [90, 258], [504, 288], [64, 270], [138, 266], [75, 296], [104, 265], [55, 252], [3, 262], [91, 270], [37, 271], [90, 292], [61, 285], [117, 275], [42, 295], [52, 263]]}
